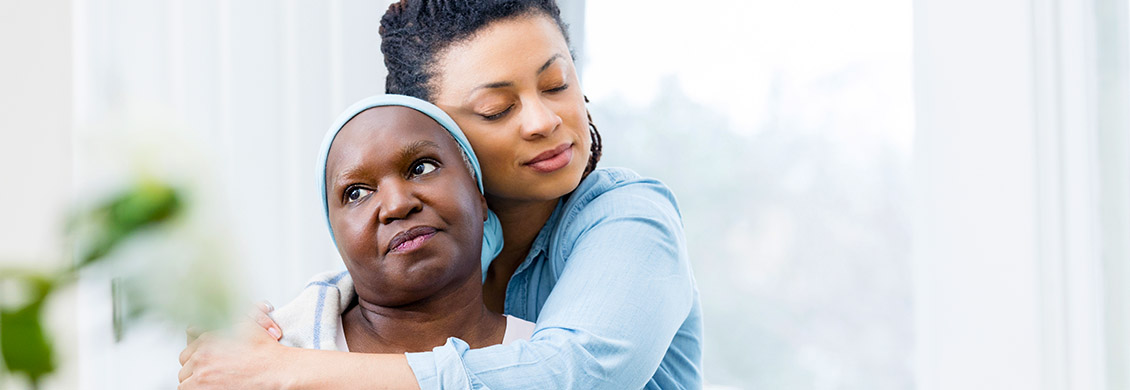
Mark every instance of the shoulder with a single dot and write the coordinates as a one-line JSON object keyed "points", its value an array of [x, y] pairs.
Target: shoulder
{"points": [[612, 192], [338, 279], [605, 180], [616, 196], [325, 295]]}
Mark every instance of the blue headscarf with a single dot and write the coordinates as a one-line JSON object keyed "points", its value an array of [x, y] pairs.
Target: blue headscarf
{"points": [[492, 230]]}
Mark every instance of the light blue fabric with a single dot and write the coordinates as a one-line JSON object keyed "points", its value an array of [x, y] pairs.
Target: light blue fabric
{"points": [[609, 284], [492, 230]]}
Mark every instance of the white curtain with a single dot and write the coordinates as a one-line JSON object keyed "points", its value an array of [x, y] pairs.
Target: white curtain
{"points": [[253, 86], [1021, 183]]}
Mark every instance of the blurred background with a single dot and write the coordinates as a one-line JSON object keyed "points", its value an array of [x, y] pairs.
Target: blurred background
{"points": [[877, 194]]}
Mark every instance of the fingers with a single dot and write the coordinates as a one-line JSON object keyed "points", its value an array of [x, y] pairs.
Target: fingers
{"points": [[257, 330], [186, 354], [264, 307], [185, 371], [192, 333], [260, 317]]}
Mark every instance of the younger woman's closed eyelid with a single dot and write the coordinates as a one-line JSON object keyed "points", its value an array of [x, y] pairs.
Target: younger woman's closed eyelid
{"points": [[492, 106], [556, 87], [555, 74], [492, 110], [492, 116]]}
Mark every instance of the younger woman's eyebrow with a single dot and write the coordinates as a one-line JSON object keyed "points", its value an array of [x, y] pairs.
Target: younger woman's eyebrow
{"points": [[549, 62], [500, 84]]}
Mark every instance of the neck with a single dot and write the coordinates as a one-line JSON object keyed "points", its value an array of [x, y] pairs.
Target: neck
{"points": [[424, 325], [521, 222]]}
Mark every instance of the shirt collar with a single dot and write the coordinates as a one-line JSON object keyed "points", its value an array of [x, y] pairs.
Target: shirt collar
{"points": [[541, 242]]}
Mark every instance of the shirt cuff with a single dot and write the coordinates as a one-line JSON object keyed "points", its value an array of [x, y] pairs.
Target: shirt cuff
{"points": [[442, 368]]}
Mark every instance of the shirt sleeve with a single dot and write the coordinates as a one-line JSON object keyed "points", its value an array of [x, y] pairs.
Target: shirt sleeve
{"points": [[623, 291]]}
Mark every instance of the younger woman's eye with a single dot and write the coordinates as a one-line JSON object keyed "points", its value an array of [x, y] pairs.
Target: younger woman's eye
{"points": [[353, 194], [498, 115], [423, 168], [558, 89]]}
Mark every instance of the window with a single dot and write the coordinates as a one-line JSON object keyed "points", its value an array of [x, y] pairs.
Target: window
{"points": [[785, 131]]}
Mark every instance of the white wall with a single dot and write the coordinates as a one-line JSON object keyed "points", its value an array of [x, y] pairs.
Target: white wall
{"points": [[1113, 26], [36, 101], [35, 120], [1014, 195]]}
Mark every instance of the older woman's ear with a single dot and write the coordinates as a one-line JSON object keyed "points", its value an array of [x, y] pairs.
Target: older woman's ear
{"points": [[486, 210]]}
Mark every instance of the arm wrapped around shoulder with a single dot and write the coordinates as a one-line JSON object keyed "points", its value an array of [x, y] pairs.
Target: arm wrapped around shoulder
{"points": [[623, 313]]}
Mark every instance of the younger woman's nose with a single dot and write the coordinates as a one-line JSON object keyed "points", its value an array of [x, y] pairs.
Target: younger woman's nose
{"points": [[538, 119]]}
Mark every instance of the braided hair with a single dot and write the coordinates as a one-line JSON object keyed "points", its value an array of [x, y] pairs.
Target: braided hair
{"points": [[415, 32]]}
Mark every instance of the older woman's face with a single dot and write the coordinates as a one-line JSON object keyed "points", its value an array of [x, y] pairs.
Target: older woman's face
{"points": [[406, 214], [514, 91]]}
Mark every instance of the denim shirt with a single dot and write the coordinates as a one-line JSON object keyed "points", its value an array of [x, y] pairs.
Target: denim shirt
{"points": [[608, 284]]}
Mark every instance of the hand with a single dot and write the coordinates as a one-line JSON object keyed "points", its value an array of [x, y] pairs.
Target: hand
{"points": [[245, 358], [258, 315]]}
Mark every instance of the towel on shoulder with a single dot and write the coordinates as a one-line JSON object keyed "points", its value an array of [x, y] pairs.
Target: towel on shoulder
{"points": [[313, 319]]}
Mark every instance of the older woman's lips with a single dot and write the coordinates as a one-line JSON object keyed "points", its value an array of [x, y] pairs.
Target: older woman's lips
{"points": [[411, 239], [553, 159]]}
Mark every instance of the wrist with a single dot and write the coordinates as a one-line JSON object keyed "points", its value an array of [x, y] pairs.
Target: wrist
{"points": [[287, 369], [311, 369]]}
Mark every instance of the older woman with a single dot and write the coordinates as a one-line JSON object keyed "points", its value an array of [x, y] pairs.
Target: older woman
{"points": [[405, 208], [596, 257]]}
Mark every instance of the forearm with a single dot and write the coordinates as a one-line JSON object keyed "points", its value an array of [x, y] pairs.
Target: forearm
{"points": [[308, 369]]}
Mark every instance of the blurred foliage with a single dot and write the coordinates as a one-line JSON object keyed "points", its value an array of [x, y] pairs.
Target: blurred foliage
{"points": [[149, 202], [24, 342]]}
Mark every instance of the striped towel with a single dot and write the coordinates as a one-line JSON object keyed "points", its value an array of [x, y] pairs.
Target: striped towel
{"points": [[313, 319]]}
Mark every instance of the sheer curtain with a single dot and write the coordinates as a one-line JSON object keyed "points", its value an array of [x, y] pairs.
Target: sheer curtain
{"points": [[250, 87], [1021, 182]]}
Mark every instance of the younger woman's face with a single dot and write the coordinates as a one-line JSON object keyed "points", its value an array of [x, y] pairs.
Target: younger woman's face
{"points": [[406, 214], [514, 91]]}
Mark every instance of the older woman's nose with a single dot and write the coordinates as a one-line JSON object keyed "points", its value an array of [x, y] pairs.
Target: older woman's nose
{"points": [[538, 119], [398, 200]]}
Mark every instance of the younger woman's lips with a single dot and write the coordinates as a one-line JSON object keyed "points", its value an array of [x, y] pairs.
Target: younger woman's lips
{"points": [[552, 160]]}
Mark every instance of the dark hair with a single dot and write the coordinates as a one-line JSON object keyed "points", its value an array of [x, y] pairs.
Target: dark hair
{"points": [[415, 32]]}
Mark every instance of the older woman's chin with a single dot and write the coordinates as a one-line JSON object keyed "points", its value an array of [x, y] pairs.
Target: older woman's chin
{"points": [[417, 282]]}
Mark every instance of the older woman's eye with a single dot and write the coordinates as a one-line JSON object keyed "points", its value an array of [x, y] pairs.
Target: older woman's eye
{"points": [[423, 168], [353, 194]]}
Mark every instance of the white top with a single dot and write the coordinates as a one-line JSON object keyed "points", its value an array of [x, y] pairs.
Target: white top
{"points": [[313, 318], [516, 329]]}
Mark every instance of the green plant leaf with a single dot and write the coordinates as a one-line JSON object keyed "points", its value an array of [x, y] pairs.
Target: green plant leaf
{"points": [[23, 341], [147, 203]]}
